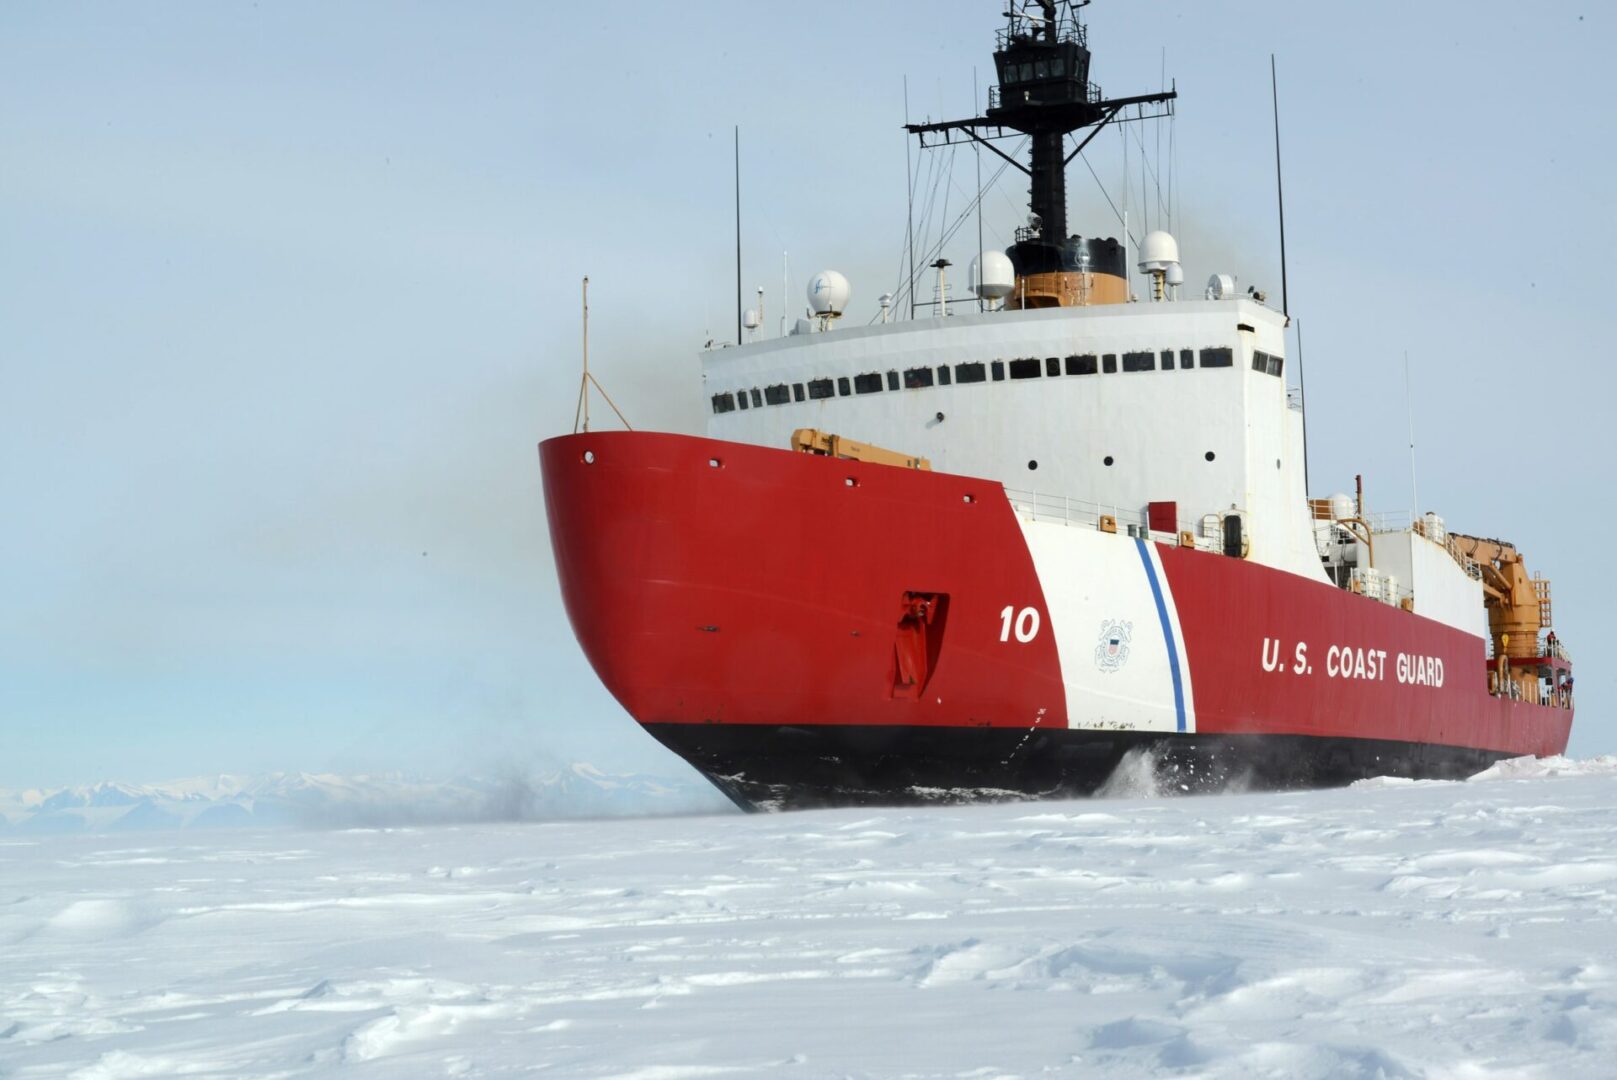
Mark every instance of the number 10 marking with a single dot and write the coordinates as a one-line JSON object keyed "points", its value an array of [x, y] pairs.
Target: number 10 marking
{"points": [[1026, 624]]}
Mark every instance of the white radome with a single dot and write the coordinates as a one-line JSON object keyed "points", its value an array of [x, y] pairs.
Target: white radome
{"points": [[992, 275], [750, 319], [828, 293], [1221, 287]]}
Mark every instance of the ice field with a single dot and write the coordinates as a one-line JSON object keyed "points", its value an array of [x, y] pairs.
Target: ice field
{"points": [[1390, 929]]}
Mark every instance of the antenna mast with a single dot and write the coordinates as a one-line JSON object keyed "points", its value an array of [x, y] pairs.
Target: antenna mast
{"points": [[582, 413], [1280, 191], [909, 195], [738, 233], [1409, 408], [1302, 390], [584, 382], [979, 153], [1042, 61]]}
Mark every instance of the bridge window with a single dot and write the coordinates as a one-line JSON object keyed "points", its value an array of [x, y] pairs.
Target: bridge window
{"points": [[868, 383], [917, 377], [1082, 365], [723, 403], [797, 391], [741, 397], [943, 374], [1108, 363], [1052, 366], [1139, 361], [999, 370], [1218, 358], [842, 386], [1167, 359], [1276, 364], [819, 389], [779, 394], [892, 380], [1187, 359], [974, 372], [1260, 362], [1027, 368], [757, 399]]}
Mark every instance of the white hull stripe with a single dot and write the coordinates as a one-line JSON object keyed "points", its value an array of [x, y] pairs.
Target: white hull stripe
{"points": [[1167, 635], [1172, 635]]}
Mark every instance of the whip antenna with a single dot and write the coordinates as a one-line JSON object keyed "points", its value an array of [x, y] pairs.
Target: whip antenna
{"points": [[1280, 190], [1409, 409]]}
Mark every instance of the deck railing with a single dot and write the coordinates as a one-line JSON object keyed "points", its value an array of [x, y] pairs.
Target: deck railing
{"points": [[1063, 509]]}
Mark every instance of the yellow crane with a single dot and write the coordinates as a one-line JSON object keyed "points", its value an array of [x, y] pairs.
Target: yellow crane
{"points": [[814, 441]]}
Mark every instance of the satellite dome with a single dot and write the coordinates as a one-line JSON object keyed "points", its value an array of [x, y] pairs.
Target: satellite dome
{"points": [[751, 319], [992, 275], [1158, 251], [828, 293]]}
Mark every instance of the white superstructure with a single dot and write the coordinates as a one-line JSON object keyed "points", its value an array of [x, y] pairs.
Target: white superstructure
{"points": [[1103, 409]]}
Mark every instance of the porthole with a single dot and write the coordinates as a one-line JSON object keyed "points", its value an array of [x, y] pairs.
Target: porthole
{"points": [[589, 457], [851, 481], [1209, 455], [1033, 465], [968, 498], [713, 463], [1107, 461]]}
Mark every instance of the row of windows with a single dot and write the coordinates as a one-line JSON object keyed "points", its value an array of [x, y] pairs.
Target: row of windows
{"points": [[1054, 68], [1029, 367]]}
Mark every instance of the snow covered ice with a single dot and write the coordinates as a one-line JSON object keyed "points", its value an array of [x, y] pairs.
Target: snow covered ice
{"points": [[1391, 929]]}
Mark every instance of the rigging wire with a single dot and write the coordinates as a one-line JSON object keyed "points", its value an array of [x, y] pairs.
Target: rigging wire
{"points": [[977, 147], [948, 185], [1145, 198], [1106, 194], [1162, 85], [932, 200], [933, 250], [1173, 168], [909, 240], [1154, 170], [964, 214]]}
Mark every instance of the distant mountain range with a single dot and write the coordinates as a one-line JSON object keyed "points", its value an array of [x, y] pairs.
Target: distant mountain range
{"points": [[326, 800]]}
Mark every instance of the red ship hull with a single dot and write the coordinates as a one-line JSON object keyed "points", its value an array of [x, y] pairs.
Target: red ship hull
{"points": [[810, 631]]}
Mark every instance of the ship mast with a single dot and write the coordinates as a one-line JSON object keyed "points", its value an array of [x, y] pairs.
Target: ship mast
{"points": [[1042, 60]]}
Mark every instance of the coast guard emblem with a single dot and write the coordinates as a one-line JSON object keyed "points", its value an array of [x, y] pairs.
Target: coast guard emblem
{"points": [[1113, 650]]}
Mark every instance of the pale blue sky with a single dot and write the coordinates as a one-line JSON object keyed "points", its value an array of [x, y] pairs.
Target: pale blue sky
{"points": [[288, 293]]}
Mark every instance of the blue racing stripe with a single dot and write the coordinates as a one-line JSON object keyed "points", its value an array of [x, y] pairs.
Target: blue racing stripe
{"points": [[1167, 633]]}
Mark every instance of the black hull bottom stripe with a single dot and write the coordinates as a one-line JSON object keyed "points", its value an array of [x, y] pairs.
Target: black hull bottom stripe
{"points": [[762, 767]]}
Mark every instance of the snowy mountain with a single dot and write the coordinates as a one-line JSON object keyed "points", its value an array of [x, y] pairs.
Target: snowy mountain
{"points": [[331, 800]]}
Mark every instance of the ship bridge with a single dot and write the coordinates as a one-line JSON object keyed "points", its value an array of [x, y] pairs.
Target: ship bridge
{"points": [[1169, 417]]}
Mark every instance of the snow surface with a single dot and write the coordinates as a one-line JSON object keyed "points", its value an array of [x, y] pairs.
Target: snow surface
{"points": [[1390, 929], [329, 800]]}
